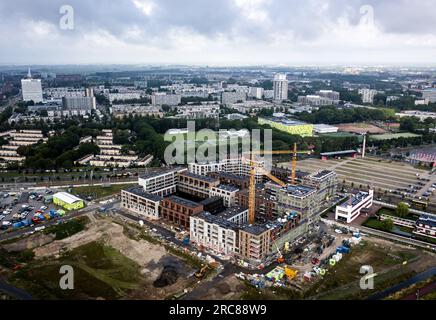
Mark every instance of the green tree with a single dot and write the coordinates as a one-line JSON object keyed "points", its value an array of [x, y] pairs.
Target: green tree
{"points": [[402, 210], [387, 224]]}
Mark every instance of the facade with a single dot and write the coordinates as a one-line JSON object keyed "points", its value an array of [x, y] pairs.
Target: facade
{"points": [[254, 243], [235, 166], [429, 95], [160, 99], [31, 90], [142, 203], [125, 110], [162, 183], [280, 87], [334, 96], [178, 210], [232, 97], [199, 111], [325, 181], [238, 181], [289, 126], [316, 100], [68, 201], [196, 185], [254, 106], [236, 116], [265, 203], [351, 209], [220, 232], [79, 103], [367, 95], [256, 92], [227, 192], [298, 199]]}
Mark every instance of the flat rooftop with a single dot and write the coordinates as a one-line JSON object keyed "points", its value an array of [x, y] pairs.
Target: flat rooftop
{"points": [[321, 174], [183, 202], [355, 199], [256, 229], [160, 172], [338, 153], [286, 121], [299, 191], [198, 177], [139, 191], [227, 187], [218, 219]]}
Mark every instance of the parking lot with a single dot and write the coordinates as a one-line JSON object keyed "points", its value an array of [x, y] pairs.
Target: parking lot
{"points": [[396, 178], [22, 206]]}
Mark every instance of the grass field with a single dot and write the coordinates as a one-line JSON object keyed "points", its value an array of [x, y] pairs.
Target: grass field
{"points": [[389, 136], [99, 272], [100, 191]]}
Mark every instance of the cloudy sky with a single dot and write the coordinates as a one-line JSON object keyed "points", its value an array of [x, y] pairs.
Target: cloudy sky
{"points": [[218, 32]]}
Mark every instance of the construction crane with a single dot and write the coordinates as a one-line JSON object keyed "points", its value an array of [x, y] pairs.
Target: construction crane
{"points": [[280, 259], [294, 152], [254, 167]]}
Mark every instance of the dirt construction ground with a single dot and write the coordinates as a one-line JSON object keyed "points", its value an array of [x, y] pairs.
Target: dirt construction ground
{"points": [[151, 258]]}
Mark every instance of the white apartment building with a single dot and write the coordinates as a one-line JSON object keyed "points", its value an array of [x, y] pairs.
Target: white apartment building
{"points": [[316, 100], [280, 87], [124, 96], [232, 97], [142, 203], [198, 111], [227, 192], [218, 233], [256, 92], [161, 98], [252, 106], [162, 183], [334, 96], [351, 209], [429, 95], [367, 95], [237, 166], [31, 90]]}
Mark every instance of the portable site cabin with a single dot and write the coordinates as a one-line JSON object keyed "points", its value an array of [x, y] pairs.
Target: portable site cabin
{"points": [[68, 201]]}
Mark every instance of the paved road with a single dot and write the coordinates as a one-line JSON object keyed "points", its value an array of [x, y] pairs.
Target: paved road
{"points": [[405, 284], [422, 292], [13, 291]]}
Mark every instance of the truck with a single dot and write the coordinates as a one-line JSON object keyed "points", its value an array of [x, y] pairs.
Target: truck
{"points": [[186, 240], [342, 249]]}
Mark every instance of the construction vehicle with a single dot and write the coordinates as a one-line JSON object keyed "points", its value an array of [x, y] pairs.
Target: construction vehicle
{"points": [[200, 274], [254, 167], [290, 273], [281, 258]]}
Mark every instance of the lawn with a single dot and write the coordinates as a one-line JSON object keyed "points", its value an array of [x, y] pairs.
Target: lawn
{"points": [[100, 271], [389, 136], [342, 281], [97, 192], [67, 229]]}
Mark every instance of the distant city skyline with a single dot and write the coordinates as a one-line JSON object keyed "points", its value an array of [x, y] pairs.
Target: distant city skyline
{"points": [[221, 33]]}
